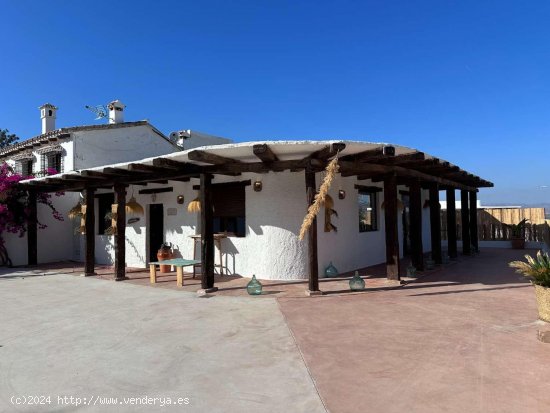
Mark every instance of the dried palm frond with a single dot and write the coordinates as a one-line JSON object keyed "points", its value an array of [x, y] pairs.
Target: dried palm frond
{"points": [[194, 205], [80, 230], [329, 211], [313, 210], [134, 208]]}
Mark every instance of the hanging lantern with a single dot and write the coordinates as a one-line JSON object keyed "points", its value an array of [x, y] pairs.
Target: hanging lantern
{"points": [[194, 205], [134, 208], [76, 211]]}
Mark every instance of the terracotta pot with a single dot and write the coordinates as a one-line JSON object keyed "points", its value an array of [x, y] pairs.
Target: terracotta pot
{"points": [[164, 253], [518, 243], [543, 302]]}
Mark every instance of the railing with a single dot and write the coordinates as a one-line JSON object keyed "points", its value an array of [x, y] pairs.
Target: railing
{"points": [[491, 229]]}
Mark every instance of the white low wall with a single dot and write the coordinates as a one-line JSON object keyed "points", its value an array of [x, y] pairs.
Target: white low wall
{"points": [[502, 244]]}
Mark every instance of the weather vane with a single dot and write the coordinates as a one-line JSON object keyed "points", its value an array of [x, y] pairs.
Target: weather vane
{"points": [[99, 110]]}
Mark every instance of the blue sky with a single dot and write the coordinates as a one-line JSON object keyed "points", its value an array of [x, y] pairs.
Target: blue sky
{"points": [[468, 81]]}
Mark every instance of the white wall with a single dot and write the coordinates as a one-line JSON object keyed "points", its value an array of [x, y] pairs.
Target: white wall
{"points": [[349, 249], [55, 243], [109, 146], [271, 248]]}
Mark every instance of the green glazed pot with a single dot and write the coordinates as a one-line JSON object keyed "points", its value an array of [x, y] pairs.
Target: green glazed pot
{"points": [[331, 271], [254, 287], [356, 283]]}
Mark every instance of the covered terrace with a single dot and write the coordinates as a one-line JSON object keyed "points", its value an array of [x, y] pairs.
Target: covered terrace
{"points": [[389, 164]]}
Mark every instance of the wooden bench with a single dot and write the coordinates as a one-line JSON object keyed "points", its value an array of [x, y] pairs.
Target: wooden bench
{"points": [[179, 263]]}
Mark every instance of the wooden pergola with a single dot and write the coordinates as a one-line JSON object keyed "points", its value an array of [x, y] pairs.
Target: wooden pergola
{"points": [[379, 163]]}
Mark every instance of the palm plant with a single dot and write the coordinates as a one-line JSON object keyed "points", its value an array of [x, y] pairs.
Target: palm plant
{"points": [[517, 229], [537, 269]]}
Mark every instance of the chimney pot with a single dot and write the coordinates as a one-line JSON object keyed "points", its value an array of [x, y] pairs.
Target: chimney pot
{"points": [[48, 116], [116, 111]]}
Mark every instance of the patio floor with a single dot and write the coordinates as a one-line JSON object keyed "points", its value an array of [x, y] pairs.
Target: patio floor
{"points": [[458, 340], [461, 338], [228, 285]]}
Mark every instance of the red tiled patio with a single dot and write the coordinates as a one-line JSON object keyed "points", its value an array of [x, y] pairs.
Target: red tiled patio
{"points": [[458, 340]]}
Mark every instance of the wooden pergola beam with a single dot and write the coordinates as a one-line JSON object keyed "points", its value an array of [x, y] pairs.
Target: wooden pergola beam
{"points": [[210, 158], [435, 223], [415, 212], [172, 164], [207, 234], [391, 228], [264, 153], [120, 235], [313, 279], [137, 167], [89, 260], [327, 152], [465, 217], [371, 154], [451, 223], [351, 168], [119, 172], [404, 159]]}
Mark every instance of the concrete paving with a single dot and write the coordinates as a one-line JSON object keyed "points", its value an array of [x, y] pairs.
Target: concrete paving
{"points": [[463, 339], [63, 335]]}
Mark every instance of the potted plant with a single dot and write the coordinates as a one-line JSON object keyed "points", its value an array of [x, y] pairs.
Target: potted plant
{"points": [[517, 235], [538, 270]]}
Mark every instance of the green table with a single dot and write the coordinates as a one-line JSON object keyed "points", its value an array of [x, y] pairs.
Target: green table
{"points": [[179, 263]]}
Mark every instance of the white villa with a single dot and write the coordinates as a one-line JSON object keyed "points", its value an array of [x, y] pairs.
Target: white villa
{"points": [[254, 195]]}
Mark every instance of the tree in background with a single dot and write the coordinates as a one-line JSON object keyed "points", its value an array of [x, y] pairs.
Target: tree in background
{"points": [[7, 138]]}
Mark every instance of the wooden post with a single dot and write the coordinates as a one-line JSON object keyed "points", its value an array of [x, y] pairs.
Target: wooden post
{"points": [[435, 223], [451, 223], [473, 221], [465, 216], [417, 250], [391, 228], [313, 286], [89, 260], [207, 234], [120, 235], [32, 230]]}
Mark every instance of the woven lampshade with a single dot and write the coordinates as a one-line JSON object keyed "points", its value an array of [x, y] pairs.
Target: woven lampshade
{"points": [[134, 208], [194, 205], [76, 211]]}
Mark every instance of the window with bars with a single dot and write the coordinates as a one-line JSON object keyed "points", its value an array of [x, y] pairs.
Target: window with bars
{"points": [[52, 161], [24, 167]]}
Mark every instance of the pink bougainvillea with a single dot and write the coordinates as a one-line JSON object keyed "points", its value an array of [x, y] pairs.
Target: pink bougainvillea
{"points": [[14, 203]]}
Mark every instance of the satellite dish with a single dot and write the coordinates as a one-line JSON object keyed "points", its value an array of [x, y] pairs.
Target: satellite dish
{"points": [[99, 110]]}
